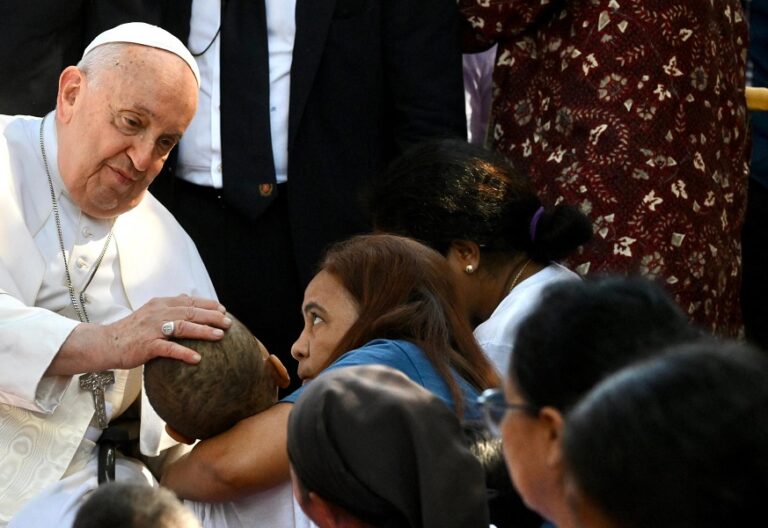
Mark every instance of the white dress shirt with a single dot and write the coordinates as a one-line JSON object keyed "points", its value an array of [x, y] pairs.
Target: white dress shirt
{"points": [[200, 148], [496, 336]]}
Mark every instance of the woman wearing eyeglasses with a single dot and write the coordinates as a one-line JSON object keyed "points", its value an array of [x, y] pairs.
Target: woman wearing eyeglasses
{"points": [[377, 300], [580, 332]]}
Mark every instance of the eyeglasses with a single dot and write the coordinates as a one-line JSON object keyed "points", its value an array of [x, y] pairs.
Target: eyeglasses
{"points": [[494, 406]]}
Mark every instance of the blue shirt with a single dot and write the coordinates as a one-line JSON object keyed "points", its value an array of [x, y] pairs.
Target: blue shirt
{"points": [[411, 361]]}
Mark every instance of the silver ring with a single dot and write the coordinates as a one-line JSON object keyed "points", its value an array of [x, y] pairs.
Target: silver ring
{"points": [[167, 328]]}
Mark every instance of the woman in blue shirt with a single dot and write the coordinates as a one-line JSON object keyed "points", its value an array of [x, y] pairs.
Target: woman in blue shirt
{"points": [[377, 299], [386, 300]]}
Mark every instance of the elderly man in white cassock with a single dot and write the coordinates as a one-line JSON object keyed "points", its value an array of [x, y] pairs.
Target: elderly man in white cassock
{"points": [[95, 275]]}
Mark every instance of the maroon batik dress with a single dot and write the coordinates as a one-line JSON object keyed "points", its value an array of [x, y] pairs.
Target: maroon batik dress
{"points": [[633, 110]]}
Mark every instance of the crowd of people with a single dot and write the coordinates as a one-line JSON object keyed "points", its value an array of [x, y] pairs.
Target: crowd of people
{"points": [[391, 309]]}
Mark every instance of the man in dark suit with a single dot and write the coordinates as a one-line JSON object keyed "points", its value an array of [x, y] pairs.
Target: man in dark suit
{"points": [[43, 37], [39, 40], [285, 176]]}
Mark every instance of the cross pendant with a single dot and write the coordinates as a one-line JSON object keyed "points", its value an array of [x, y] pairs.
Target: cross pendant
{"points": [[96, 382]]}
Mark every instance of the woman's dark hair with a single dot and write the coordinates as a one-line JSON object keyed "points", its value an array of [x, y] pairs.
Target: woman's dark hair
{"points": [[682, 440], [447, 190], [583, 330], [403, 291]]}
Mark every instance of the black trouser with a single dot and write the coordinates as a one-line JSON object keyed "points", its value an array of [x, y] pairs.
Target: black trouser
{"points": [[754, 286], [251, 263]]}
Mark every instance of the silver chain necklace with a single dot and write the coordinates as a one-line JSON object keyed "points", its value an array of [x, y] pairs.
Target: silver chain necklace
{"points": [[80, 310], [96, 382]]}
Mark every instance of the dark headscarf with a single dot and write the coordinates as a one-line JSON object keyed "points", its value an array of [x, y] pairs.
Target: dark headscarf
{"points": [[373, 442]]}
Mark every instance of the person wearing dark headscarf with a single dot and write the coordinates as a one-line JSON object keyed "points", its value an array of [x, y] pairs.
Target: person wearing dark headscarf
{"points": [[369, 447]]}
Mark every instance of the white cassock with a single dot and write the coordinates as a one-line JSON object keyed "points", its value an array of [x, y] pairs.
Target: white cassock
{"points": [[45, 422]]}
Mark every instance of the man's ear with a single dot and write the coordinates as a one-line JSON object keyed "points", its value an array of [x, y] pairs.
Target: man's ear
{"points": [[71, 84], [553, 423], [173, 433], [278, 371]]}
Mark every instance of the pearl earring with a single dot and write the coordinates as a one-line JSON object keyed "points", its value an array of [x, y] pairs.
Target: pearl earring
{"points": [[470, 269]]}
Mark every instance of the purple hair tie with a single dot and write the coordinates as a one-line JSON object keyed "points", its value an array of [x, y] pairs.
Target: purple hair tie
{"points": [[535, 221]]}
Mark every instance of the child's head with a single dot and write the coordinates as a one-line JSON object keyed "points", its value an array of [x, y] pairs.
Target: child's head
{"points": [[235, 378], [133, 505]]}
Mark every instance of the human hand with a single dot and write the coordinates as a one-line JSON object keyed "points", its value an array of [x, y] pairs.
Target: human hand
{"points": [[134, 340]]}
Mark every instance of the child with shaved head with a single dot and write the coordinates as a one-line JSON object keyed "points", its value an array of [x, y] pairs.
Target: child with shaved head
{"points": [[235, 378]]}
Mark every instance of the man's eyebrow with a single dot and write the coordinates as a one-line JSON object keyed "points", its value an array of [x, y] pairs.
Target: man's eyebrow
{"points": [[176, 136], [145, 110]]}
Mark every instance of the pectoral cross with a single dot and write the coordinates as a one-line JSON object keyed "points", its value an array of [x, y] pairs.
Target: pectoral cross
{"points": [[96, 382]]}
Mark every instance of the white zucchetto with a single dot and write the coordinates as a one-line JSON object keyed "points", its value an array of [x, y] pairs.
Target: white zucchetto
{"points": [[146, 35]]}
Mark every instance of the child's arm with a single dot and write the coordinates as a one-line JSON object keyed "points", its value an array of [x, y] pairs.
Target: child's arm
{"points": [[250, 457]]}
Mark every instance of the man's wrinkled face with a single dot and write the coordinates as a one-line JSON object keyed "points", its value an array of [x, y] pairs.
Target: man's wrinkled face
{"points": [[117, 126]]}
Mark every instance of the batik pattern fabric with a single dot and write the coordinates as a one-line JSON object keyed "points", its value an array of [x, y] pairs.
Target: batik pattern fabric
{"points": [[633, 110]]}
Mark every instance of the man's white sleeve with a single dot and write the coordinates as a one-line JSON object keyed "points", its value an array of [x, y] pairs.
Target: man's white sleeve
{"points": [[29, 340]]}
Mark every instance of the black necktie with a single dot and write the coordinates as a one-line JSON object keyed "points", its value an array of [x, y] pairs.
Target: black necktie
{"points": [[246, 142]]}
